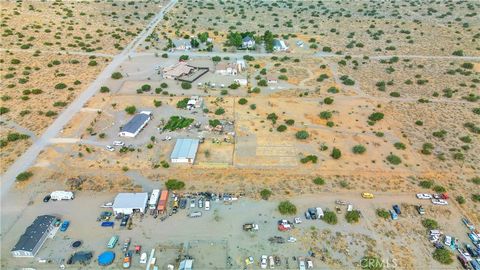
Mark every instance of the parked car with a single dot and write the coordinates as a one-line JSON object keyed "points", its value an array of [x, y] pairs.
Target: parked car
{"points": [[47, 198], [301, 264], [200, 203], [367, 195], [143, 258], [127, 260], [472, 251], [448, 240], [396, 208], [207, 205], [118, 143], [183, 203], [192, 203], [64, 225], [463, 261], [420, 210], [124, 220], [263, 262], [110, 148], [312, 212], [393, 214], [424, 196], [307, 215], [439, 202], [195, 214], [250, 227], [309, 264], [297, 220]]}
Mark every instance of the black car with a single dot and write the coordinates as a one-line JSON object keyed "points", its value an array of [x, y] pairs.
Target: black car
{"points": [[183, 203], [124, 220], [47, 198]]}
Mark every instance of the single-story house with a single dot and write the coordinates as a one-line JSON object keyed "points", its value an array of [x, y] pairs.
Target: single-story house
{"points": [[242, 82], [182, 44], [194, 102], [185, 151], [186, 265], [177, 70], [248, 42], [127, 203], [279, 45], [271, 80], [34, 237], [135, 125], [224, 68]]}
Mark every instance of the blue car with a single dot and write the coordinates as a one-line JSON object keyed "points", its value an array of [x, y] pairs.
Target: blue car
{"points": [[393, 215], [397, 209], [64, 225]]}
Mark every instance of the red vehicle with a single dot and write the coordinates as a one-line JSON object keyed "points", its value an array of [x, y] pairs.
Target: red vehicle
{"points": [[138, 248], [444, 196], [162, 204], [463, 261]]}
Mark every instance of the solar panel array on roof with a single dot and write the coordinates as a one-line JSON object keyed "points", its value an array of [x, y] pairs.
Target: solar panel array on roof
{"points": [[136, 123], [34, 233]]}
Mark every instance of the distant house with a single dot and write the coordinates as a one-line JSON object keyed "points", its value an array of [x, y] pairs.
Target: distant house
{"points": [[185, 151], [248, 42], [177, 70], [34, 237], [271, 80], [279, 45], [135, 125], [182, 44], [224, 68]]}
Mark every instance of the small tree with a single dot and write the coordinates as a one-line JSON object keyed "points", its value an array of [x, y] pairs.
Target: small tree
{"points": [[444, 256], [330, 217], [328, 100], [242, 101], [359, 149], [430, 224], [104, 89], [131, 109], [336, 153], [395, 160], [319, 181], [302, 135], [287, 208], [186, 85], [383, 213], [174, 184], [117, 75], [326, 115], [281, 128], [24, 176], [352, 216], [265, 193], [376, 116]]}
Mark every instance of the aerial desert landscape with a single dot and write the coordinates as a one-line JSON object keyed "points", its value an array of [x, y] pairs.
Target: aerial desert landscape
{"points": [[240, 134]]}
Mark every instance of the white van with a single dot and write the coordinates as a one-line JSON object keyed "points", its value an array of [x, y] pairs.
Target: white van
{"points": [[207, 205], [61, 195], [319, 213]]}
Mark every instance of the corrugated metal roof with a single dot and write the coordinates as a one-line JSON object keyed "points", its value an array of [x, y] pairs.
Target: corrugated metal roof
{"points": [[34, 233], [131, 200], [185, 148], [136, 122]]}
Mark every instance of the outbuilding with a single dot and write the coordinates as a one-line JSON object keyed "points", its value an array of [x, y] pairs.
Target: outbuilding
{"points": [[136, 124], [127, 203], [186, 264], [185, 151], [34, 237]]}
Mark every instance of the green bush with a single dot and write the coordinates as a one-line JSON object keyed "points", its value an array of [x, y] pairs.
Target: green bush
{"points": [[186, 85], [157, 103], [182, 104], [24, 176], [476, 180], [330, 217], [265, 193], [4, 110], [312, 158], [219, 111], [326, 115], [131, 109], [242, 101], [104, 89], [328, 100], [281, 128], [319, 181], [60, 86], [383, 213], [174, 184], [399, 146], [395, 160], [460, 199], [430, 224], [439, 189], [214, 122], [177, 122], [444, 256], [117, 75], [302, 135], [352, 216], [336, 153], [476, 197], [426, 183], [290, 122], [287, 208], [376, 116], [359, 149]]}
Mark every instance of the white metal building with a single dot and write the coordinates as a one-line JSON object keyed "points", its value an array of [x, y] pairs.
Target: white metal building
{"points": [[185, 151], [127, 203]]}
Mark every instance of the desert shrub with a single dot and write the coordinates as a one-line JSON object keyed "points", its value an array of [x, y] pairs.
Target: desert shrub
{"points": [[359, 149], [376, 116], [467, 65], [146, 87], [60, 86], [92, 63], [393, 159], [460, 199], [174, 184], [333, 90], [312, 158], [328, 100], [419, 123], [287, 208], [130, 109], [117, 75], [183, 57], [281, 128], [439, 189], [319, 181], [330, 217], [262, 82], [104, 89], [326, 115], [157, 103], [322, 77], [24, 176], [466, 139], [476, 110], [242, 101], [352, 216], [399, 146], [383, 213], [426, 183], [265, 193], [476, 180], [440, 133], [50, 113], [253, 106], [430, 224], [4, 110], [219, 111], [427, 148], [290, 122], [458, 53], [302, 135], [182, 104], [476, 197], [186, 85], [336, 153], [443, 256]]}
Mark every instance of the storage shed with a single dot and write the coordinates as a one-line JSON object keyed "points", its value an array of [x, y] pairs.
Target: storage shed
{"points": [[136, 124], [35, 235], [127, 203], [185, 151]]}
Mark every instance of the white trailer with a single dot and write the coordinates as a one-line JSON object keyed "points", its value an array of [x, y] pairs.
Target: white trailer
{"points": [[319, 213], [61, 195], [153, 201]]}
